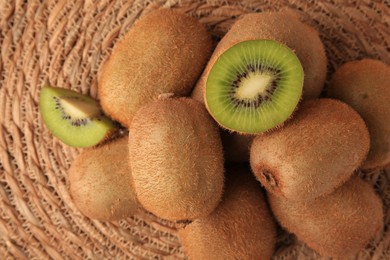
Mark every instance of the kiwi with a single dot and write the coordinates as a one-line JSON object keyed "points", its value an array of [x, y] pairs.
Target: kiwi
{"points": [[164, 52], [314, 153], [236, 146], [281, 27], [241, 227], [364, 85], [176, 159], [74, 118], [100, 182], [338, 225], [254, 86]]}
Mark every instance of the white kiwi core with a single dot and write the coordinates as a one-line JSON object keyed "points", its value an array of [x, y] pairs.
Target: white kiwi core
{"points": [[79, 109], [253, 85]]}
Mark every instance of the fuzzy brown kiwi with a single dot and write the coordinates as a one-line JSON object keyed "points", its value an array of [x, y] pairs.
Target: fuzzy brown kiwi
{"points": [[281, 27], [236, 146], [338, 225], [365, 86], [165, 51], [176, 159], [241, 227], [100, 182], [314, 153]]}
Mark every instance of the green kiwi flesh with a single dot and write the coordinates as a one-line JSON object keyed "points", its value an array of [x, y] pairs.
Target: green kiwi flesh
{"points": [[176, 159], [100, 182], [241, 227], [338, 225], [365, 86], [254, 86], [164, 52], [74, 118], [317, 151]]}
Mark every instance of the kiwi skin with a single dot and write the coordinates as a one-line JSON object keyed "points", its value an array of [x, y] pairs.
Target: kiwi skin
{"points": [[338, 225], [241, 227], [364, 85], [176, 159], [281, 27], [100, 182], [314, 153], [164, 52]]}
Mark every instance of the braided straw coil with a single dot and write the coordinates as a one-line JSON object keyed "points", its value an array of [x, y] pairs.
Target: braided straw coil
{"points": [[64, 43]]}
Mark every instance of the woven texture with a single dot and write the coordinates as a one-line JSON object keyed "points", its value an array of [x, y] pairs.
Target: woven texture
{"points": [[64, 43]]}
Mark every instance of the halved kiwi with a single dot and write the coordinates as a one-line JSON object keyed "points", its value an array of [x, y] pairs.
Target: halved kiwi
{"points": [[279, 26], [74, 118], [254, 86]]}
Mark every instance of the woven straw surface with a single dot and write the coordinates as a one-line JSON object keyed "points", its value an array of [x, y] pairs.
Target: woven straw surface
{"points": [[64, 43]]}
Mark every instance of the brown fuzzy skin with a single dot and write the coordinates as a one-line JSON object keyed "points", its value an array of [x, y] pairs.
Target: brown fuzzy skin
{"points": [[338, 225], [314, 153], [281, 27], [164, 52], [100, 182], [365, 86], [176, 159], [236, 146], [241, 227]]}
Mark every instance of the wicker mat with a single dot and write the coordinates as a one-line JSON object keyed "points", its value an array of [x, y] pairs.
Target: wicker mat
{"points": [[64, 43]]}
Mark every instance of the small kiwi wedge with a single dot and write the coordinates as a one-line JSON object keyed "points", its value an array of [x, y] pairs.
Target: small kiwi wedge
{"points": [[365, 86], [314, 153], [74, 118], [164, 52], [338, 225], [254, 86], [100, 182], [282, 27], [241, 227], [176, 159]]}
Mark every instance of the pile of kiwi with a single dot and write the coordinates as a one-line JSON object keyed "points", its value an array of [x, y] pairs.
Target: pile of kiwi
{"points": [[232, 143]]}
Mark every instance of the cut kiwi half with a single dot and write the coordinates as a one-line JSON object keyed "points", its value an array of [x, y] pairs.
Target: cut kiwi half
{"points": [[254, 86], [74, 118]]}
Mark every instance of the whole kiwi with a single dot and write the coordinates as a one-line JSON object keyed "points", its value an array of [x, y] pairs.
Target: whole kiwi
{"points": [[281, 27], [164, 52], [338, 225], [241, 227], [176, 159], [315, 152], [365, 86], [100, 182]]}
